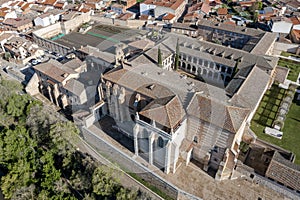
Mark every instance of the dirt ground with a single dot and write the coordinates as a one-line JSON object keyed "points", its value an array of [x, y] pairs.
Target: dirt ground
{"points": [[193, 180]]}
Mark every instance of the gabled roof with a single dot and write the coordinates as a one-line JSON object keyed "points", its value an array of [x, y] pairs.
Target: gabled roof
{"points": [[284, 171], [166, 111], [49, 2], [215, 112], [168, 16], [222, 11]]}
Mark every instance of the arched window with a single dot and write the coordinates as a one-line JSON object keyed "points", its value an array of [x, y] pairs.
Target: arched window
{"points": [[188, 67], [160, 142], [195, 139], [194, 69]]}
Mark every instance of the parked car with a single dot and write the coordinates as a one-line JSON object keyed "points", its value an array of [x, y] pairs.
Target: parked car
{"points": [[35, 62]]}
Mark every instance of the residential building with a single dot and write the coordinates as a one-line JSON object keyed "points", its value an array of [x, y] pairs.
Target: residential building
{"points": [[158, 9], [44, 20], [21, 49], [223, 33], [17, 24]]}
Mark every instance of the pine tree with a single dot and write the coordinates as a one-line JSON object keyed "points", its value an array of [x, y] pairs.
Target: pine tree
{"points": [[159, 57], [176, 64]]}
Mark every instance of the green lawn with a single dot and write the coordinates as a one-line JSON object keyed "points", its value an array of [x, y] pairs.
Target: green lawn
{"points": [[293, 66], [266, 114], [286, 54]]}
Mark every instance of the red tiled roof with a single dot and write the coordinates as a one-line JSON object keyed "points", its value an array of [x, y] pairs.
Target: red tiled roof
{"points": [[91, 5], [296, 33], [14, 3], [59, 5], [25, 6], [205, 8], [125, 16], [2, 14], [85, 10], [230, 23], [295, 20], [173, 4], [49, 2], [144, 17], [166, 111], [169, 16], [222, 11], [4, 9]]}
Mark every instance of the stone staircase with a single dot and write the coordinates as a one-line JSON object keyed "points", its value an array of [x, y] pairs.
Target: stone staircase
{"points": [[208, 139], [222, 139]]}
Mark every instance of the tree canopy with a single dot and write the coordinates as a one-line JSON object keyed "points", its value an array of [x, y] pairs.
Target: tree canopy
{"points": [[37, 159]]}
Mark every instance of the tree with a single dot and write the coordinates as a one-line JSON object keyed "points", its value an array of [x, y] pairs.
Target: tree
{"points": [[104, 184], [16, 105], [256, 6], [49, 173], [159, 57], [125, 194], [176, 64], [7, 56], [62, 134]]}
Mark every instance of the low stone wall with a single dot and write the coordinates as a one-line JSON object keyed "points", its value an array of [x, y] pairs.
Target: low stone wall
{"points": [[129, 23]]}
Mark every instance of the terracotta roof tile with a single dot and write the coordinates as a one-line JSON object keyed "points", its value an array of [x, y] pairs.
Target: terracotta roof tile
{"points": [[284, 171], [49, 2], [166, 111], [169, 16], [215, 112], [222, 11]]}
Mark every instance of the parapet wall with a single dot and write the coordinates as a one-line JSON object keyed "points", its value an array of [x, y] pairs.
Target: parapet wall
{"points": [[110, 21], [63, 27]]}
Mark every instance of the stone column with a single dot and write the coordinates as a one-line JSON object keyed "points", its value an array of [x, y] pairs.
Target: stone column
{"points": [[121, 101], [56, 94], [167, 157], [151, 140], [64, 101], [135, 138], [50, 93]]}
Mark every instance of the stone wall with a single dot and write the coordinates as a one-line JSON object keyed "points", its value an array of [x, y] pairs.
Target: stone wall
{"points": [[132, 166], [118, 22], [49, 31], [72, 24], [50, 45]]}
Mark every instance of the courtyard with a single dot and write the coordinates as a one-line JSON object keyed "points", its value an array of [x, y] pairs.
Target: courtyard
{"points": [[292, 65], [266, 114]]}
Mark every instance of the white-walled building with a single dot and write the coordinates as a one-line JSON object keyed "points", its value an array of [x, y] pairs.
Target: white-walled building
{"points": [[44, 20], [159, 8]]}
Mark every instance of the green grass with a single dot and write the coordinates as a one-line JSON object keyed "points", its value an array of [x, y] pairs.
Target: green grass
{"points": [[286, 54], [266, 114], [293, 66]]}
